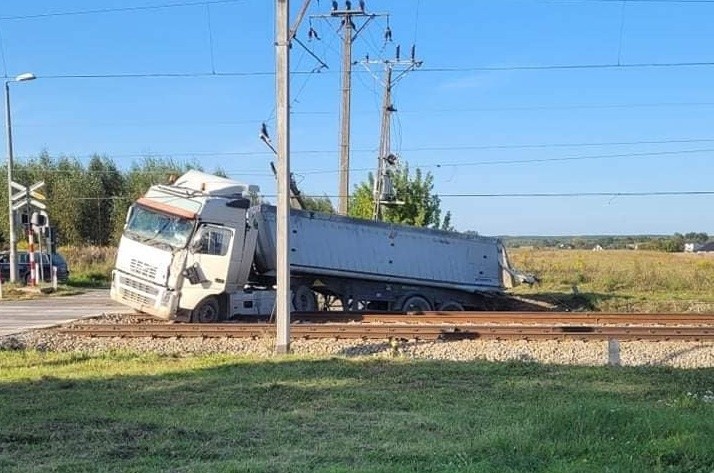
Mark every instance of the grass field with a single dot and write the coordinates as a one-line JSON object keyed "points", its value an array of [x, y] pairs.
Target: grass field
{"points": [[619, 280], [123, 412]]}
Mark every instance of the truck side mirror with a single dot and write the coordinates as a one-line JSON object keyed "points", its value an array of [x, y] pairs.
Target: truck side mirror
{"points": [[191, 273], [196, 242]]}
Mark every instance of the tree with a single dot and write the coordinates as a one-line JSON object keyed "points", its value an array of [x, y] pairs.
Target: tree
{"points": [[318, 204], [111, 187], [416, 205]]}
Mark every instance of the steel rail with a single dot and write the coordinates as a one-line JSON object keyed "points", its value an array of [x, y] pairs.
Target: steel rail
{"points": [[436, 317], [398, 331]]}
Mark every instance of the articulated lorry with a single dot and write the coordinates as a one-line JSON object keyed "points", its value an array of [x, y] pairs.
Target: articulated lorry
{"points": [[198, 251]]}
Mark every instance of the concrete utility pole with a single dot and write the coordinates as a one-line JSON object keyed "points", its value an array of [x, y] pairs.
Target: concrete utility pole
{"points": [[344, 191], [349, 33], [282, 89]]}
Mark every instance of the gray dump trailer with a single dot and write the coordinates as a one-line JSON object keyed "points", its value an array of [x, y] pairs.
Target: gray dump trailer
{"points": [[382, 264]]}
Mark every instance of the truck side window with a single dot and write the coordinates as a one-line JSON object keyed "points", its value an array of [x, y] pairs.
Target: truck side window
{"points": [[215, 241]]}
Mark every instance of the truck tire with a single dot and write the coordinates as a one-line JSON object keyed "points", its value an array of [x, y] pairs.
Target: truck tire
{"points": [[304, 299], [451, 306], [416, 304], [206, 312]]}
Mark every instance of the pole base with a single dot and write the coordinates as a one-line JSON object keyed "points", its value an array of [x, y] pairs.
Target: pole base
{"points": [[282, 349]]}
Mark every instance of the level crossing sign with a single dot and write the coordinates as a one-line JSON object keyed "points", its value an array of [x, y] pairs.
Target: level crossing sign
{"points": [[28, 196]]}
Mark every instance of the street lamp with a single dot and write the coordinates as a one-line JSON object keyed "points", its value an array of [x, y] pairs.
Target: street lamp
{"points": [[13, 241]]}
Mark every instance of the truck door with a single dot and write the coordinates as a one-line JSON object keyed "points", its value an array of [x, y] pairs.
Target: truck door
{"points": [[210, 258]]}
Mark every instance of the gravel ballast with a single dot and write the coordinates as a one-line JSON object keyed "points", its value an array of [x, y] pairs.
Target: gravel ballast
{"points": [[587, 353]]}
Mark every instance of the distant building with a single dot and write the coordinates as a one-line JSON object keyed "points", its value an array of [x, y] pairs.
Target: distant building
{"points": [[597, 248], [706, 248], [692, 247]]}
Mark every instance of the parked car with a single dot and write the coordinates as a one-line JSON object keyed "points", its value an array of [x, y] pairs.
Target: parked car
{"points": [[23, 266]]}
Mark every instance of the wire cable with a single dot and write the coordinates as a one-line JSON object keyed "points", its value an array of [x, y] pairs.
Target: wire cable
{"points": [[204, 153], [117, 9], [479, 195], [442, 70]]}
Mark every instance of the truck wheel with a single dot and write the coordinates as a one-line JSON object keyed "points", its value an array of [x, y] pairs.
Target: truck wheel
{"points": [[206, 312], [304, 299], [416, 304], [451, 306]]}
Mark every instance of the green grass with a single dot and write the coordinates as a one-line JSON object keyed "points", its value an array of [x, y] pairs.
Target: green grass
{"points": [[90, 279], [124, 412]]}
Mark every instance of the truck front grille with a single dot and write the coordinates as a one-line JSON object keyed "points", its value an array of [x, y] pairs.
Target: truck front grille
{"points": [[136, 293], [138, 286], [134, 298]]}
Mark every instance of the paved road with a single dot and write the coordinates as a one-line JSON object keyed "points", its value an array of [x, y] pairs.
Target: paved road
{"points": [[16, 316]]}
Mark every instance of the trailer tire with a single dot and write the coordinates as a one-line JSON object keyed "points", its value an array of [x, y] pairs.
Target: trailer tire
{"points": [[416, 304], [452, 306], [304, 299], [207, 311]]}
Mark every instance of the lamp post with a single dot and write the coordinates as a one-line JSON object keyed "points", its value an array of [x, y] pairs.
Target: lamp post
{"points": [[13, 241]]}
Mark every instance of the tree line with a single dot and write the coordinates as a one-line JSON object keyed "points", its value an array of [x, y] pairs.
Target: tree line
{"points": [[87, 201], [671, 244]]}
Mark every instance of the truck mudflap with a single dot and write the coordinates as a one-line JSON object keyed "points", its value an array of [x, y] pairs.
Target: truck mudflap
{"points": [[512, 277]]}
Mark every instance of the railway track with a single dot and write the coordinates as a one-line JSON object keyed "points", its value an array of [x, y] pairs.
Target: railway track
{"points": [[435, 317], [436, 326]]}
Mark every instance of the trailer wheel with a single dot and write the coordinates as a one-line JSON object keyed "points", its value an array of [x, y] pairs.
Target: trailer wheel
{"points": [[304, 299], [416, 304], [451, 306], [206, 312]]}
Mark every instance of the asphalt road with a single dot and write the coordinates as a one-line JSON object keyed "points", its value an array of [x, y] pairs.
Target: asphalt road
{"points": [[17, 316]]}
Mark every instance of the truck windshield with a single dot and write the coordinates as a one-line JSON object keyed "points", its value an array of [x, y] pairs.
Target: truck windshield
{"points": [[157, 228]]}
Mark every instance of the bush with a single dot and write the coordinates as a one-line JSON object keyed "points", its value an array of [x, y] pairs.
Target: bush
{"points": [[90, 263]]}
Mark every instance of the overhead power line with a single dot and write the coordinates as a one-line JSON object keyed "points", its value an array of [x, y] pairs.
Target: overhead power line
{"points": [[164, 75], [481, 195], [631, 1], [445, 69], [218, 2], [554, 67], [536, 160], [586, 194], [577, 158], [420, 148], [249, 172], [116, 9], [454, 110]]}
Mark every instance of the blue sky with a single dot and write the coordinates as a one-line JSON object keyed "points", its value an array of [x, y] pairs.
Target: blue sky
{"points": [[472, 110]]}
